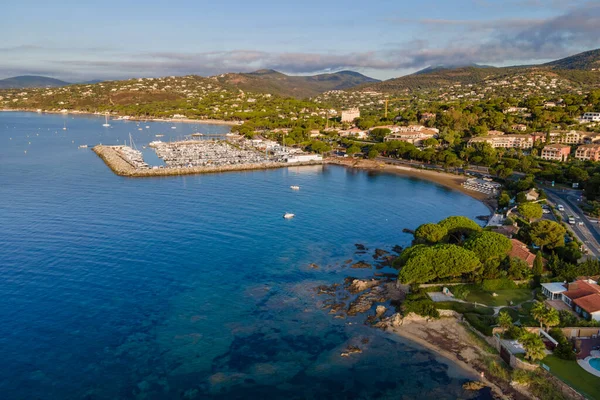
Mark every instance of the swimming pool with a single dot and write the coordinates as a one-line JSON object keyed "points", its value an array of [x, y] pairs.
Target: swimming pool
{"points": [[595, 363]]}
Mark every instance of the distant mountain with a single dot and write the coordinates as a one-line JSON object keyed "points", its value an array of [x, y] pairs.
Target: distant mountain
{"points": [[274, 82], [30, 81], [582, 70], [587, 60], [442, 67]]}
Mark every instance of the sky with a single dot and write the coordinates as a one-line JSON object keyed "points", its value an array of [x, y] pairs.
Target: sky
{"points": [[81, 40]]}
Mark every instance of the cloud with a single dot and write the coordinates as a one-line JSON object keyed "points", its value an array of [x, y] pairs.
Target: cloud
{"points": [[495, 41]]}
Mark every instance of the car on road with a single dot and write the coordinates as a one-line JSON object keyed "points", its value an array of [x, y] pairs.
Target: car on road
{"points": [[560, 207], [580, 223], [571, 220], [546, 211]]}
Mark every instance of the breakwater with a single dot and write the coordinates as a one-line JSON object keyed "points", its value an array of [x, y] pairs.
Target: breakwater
{"points": [[123, 167]]}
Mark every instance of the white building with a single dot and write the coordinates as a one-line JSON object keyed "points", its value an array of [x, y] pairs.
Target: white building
{"points": [[304, 158], [589, 117], [350, 115]]}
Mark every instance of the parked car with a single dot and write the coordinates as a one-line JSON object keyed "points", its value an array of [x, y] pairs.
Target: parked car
{"points": [[560, 207]]}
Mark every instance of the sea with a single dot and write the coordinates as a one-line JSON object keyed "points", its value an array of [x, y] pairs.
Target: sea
{"points": [[195, 287]]}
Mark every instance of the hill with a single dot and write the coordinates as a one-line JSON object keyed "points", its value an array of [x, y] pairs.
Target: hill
{"points": [[30, 81], [588, 61], [577, 71], [274, 82]]}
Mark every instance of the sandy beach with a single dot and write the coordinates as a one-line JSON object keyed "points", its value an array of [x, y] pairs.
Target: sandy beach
{"points": [[448, 180], [450, 339]]}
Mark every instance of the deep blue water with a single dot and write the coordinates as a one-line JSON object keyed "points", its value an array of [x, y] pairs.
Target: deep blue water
{"points": [[194, 287]]}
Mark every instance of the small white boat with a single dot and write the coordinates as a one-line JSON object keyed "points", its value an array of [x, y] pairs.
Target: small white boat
{"points": [[288, 215], [295, 187], [159, 135], [147, 126], [83, 146], [139, 129], [173, 127], [106, 124], [197, 134]]}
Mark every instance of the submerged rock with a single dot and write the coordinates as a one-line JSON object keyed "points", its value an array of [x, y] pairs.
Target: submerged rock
{"points": [[351, 350], [379, 253], [313, 266], [397, 249], [474, 385], [406, 230], [361, 264]]}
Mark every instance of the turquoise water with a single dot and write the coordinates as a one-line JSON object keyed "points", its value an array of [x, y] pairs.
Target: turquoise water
{"points": [[595, 363], [194, 287]]}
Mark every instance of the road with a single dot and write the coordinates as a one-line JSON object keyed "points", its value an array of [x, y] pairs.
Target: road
{"points": [[473, 169], [588, 233]]}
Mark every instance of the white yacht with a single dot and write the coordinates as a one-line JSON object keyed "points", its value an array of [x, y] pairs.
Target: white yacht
{"points": [[83, 146], [295, 187], [288, 215], [106, 124]]}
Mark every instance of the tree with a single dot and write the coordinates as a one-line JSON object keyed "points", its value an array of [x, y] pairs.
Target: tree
{"points": [[518, 269], [538, 265], [551, 318], [534, 346], [372, 154], [488, 245], [504, 320], [423, 263], [538, 312], [459, 226], [503, 200], [430, 233], [380, 133], [530, 211], [352, 150], [547, 233]]}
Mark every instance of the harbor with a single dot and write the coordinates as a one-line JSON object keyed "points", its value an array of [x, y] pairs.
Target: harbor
{"points": [[189, 157]]}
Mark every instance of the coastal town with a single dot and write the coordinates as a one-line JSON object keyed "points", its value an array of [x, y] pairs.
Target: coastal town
{"points": [[514, 296]]}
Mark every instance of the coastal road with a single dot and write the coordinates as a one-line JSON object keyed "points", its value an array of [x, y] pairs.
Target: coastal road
{"points": [[586, 233], [473, 169]]}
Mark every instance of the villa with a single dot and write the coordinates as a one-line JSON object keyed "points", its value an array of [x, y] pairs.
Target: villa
{"points": [[521, 251], [582, 296]]}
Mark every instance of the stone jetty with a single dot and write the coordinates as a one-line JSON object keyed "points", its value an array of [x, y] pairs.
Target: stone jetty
{"points": [[118, 161]]}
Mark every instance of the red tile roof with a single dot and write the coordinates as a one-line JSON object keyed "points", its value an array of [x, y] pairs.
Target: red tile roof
{"points": [[579, 289], [590, 303], [520, 250]]}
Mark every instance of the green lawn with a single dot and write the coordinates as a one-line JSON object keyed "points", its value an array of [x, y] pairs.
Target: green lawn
{"points": [[503, 299], [575, 376]]}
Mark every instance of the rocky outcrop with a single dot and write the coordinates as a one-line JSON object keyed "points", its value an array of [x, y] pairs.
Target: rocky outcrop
{"points": [[358, 285], [365, 301], [351, 350]]}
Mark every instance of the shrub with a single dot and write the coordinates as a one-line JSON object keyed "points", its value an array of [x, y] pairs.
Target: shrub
{"points": [[483, 323], [424, 308]]}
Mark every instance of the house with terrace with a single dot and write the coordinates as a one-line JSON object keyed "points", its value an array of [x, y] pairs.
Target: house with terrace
{"points": [[581, 296]]}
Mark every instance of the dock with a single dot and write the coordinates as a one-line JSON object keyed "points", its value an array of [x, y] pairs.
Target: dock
{"points": [[118, 160]]}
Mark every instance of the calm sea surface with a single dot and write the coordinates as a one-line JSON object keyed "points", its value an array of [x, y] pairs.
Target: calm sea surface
{"points": [[194, 287]]}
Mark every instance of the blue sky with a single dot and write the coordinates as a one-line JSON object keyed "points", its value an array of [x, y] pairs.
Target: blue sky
{"points": [[84, 40]]}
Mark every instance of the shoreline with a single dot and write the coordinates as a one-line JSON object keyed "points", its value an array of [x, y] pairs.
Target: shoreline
{"points": [[460, 350], [151, 119], [445, 179]]}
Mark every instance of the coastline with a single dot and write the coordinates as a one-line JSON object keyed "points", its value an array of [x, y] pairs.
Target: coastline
{"points": [[446, 179], [447, 338], [182, 120]]}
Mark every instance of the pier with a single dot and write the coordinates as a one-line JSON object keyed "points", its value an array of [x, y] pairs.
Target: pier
{"points": [[118, 160]]}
